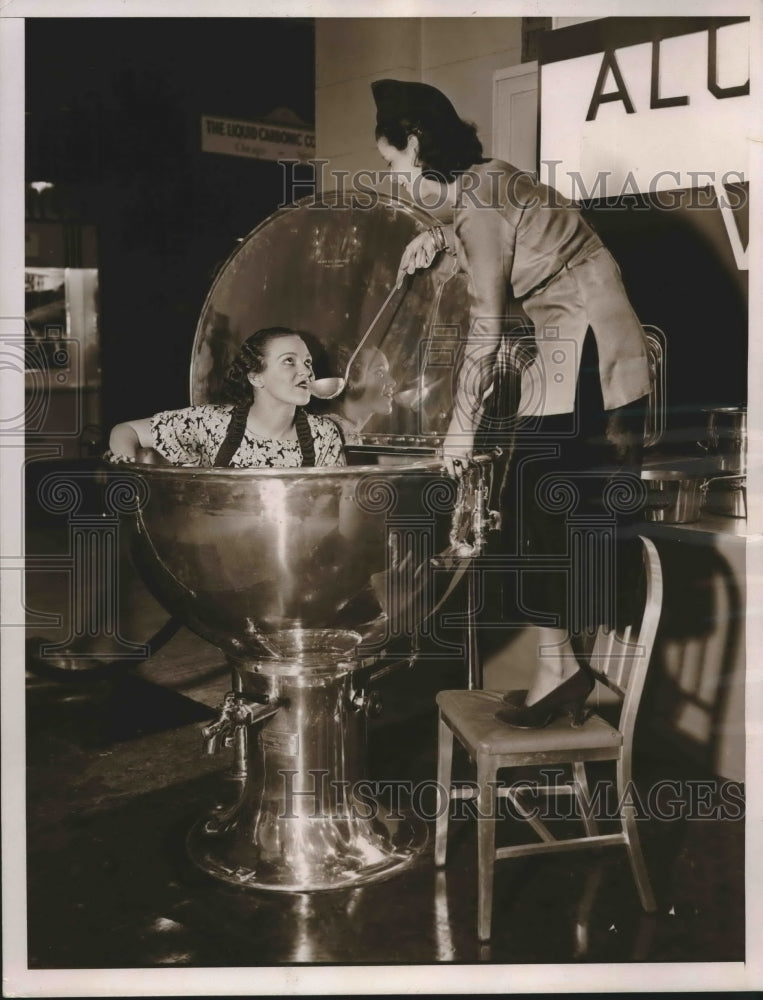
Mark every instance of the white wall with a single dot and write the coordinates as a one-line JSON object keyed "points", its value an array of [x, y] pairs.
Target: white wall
{"points": [[458, 55]]}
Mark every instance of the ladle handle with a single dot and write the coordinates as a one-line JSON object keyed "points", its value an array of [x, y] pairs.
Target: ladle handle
{"points": [[369, 328]]}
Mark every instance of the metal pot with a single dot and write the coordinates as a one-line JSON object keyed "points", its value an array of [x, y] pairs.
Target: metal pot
{"points": [[727, 438], [674, 497], [729, 497]]}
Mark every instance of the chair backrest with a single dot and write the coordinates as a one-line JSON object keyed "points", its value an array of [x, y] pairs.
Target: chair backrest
{"points": [[620, 656]]}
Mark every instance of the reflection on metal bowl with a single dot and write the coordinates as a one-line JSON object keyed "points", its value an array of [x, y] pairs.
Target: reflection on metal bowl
{"points": [[240, 554]]}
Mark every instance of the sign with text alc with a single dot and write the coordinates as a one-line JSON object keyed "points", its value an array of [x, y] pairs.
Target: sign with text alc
{"points": [[645, 105], [256, 140]]}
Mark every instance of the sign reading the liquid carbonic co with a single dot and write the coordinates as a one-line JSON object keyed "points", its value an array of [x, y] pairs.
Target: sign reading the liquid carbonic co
{"points": [[257, 140]]}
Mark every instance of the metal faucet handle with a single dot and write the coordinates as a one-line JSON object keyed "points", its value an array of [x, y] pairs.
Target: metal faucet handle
{"points": [[236, 712], [223, 724], [472, 519], [213, 734], [368, 702], [214, 728]]}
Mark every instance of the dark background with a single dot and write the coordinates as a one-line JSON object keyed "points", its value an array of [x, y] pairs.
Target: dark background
{"points": [[113, 118], [680, 273]]}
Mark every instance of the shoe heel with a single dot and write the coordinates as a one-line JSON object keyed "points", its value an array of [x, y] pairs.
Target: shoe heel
{"points": [[578, 713]]}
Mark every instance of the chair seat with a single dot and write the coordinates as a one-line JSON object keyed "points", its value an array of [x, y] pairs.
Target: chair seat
{"points": [[472, 715]]}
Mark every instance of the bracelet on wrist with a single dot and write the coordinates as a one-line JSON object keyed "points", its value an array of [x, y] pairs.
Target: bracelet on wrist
{"points": [[438, 238]]}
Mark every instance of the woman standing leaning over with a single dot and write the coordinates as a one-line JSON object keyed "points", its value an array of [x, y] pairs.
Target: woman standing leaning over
{"points": [[580, 419]]}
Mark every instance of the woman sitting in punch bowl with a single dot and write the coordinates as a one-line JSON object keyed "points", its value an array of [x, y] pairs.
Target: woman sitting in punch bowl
{"points": [[263, 424]]}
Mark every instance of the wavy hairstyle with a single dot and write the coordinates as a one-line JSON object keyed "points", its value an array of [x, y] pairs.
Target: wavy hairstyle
{"points": [[446, 149], [237, 389]]}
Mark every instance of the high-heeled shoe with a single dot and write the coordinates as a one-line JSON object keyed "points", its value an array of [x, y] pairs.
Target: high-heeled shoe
{"points": [[566, 699]]}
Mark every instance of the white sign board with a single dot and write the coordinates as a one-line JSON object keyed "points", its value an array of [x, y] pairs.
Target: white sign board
{"points": [[657, 115], [257, 140]]}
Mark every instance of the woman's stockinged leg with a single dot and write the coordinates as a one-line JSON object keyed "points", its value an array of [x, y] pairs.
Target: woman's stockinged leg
{"points": [[560, 687], [565, 513]]}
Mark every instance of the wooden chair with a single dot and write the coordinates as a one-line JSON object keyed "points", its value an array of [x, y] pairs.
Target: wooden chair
{"points": [[620, 660]]}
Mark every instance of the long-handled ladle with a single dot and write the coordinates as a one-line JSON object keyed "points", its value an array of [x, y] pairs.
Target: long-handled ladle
{"points": [[330, 388]]}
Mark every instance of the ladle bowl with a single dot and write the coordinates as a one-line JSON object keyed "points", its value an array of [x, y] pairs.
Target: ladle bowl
{"points": [[327, 388], [330, 388]]}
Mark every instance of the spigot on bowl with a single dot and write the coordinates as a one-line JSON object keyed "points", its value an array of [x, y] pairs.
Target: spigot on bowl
{"points": [[368, 702], [213, 733], [471, 515], [483, 519], [236, 712]]}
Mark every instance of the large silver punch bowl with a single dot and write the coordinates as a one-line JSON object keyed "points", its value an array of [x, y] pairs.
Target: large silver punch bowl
{"points": [[304, 576]]}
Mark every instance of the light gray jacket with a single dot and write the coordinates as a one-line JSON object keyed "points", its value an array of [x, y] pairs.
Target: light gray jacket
{"points": [[510, 230]]}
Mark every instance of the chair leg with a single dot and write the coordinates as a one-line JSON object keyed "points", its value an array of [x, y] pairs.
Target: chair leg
{"points": [[472, 650], [444, 767], [584, 798], [635, 854], [486, 806]]}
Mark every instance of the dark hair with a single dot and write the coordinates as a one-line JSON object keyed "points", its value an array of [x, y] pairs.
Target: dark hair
{"points": [[237, 389], [446, 149]]}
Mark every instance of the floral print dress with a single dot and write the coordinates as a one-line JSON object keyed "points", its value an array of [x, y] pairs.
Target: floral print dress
{"points": [[193, 435]]}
